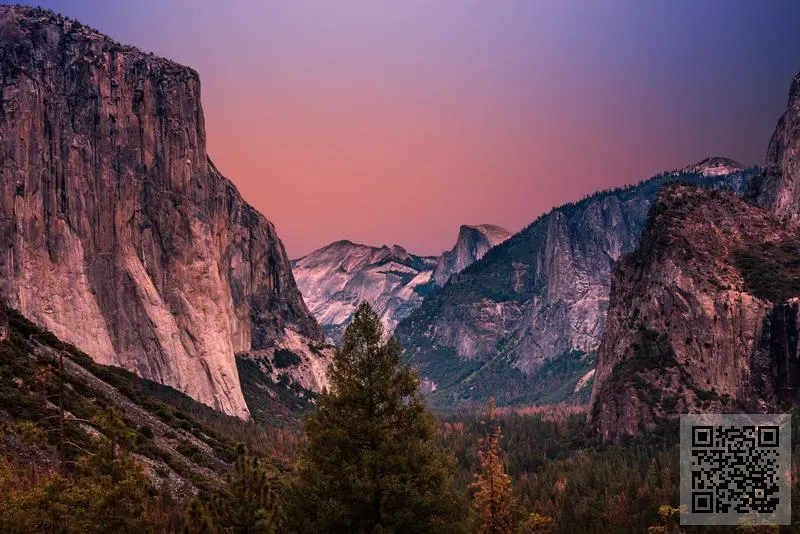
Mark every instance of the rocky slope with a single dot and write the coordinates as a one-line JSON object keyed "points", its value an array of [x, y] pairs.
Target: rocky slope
{"points": [[117, 233], [176, 439], [703, 315], [336, 278], [523, 323]]}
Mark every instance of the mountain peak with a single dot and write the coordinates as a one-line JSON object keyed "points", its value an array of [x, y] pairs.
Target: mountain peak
{"points": [[494, 233], [473, 242], [715, 166]]}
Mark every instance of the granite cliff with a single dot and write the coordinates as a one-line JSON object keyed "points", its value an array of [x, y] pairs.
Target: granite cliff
{"points": [[472, 244], [117, 233], [336, 278], [777, 187], [703, 315]]}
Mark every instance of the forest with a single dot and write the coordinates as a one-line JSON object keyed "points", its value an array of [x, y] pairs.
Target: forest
{"points": [[369, 457]]}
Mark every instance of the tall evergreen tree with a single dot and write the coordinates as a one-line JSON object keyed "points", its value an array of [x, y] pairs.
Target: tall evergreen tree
{"points": [[370, 463], [247, 504], [493, 498]]}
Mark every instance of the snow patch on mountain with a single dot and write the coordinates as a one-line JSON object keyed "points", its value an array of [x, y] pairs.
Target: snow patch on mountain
{"points": [[336, 278]]}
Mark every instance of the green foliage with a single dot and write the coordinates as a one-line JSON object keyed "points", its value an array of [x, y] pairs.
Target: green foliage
{"points": [[31, 434], [198, 520], [771, 271], [371, 463], [270, 402], [106, 492], [248, 504]]}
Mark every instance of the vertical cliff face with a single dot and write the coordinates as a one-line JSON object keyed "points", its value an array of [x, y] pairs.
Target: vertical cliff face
{"points": [[472, 244], [117, 233], [3, 321], [777, 188], [703, 315], [533, 309]]}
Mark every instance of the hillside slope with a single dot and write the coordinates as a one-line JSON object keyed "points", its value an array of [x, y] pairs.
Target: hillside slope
{"points": [[176, 448]]}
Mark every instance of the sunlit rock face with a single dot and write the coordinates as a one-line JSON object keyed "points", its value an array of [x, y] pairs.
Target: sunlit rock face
{"points": [[472, 244], [3, 322], [336, 278], [117, 233], [715, 166]]}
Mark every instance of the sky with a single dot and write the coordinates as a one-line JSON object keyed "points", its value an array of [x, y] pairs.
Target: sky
{"points": [[396, 122]]}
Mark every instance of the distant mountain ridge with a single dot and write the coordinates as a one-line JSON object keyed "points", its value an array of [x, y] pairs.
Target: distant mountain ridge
{"points": [[523, 323], [715, 166], [337, 277]]}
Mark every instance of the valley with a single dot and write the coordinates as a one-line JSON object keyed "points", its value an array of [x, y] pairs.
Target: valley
{"points": [[166, 367]]}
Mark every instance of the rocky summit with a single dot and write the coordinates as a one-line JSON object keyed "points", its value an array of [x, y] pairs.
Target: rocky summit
{"points": [[336, 278], [117, 232], [715, 166], [472, 244]]}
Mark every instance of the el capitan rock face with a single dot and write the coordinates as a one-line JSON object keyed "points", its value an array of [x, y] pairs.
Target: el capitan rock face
{"points": [[116, 231], [703, 315]]}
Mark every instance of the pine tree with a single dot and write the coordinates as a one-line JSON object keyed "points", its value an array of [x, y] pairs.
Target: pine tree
{"points": [[493, 498], [248, 504], [370, 463], [197, 519]]}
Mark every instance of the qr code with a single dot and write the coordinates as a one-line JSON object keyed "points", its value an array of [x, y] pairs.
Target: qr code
{"points": [[735, 469]]}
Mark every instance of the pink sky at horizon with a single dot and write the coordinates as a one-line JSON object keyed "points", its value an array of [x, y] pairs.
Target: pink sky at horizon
{"points": [[396, 123]]}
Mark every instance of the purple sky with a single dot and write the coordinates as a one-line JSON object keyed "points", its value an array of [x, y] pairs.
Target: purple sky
{"points": [[396, 122]]}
